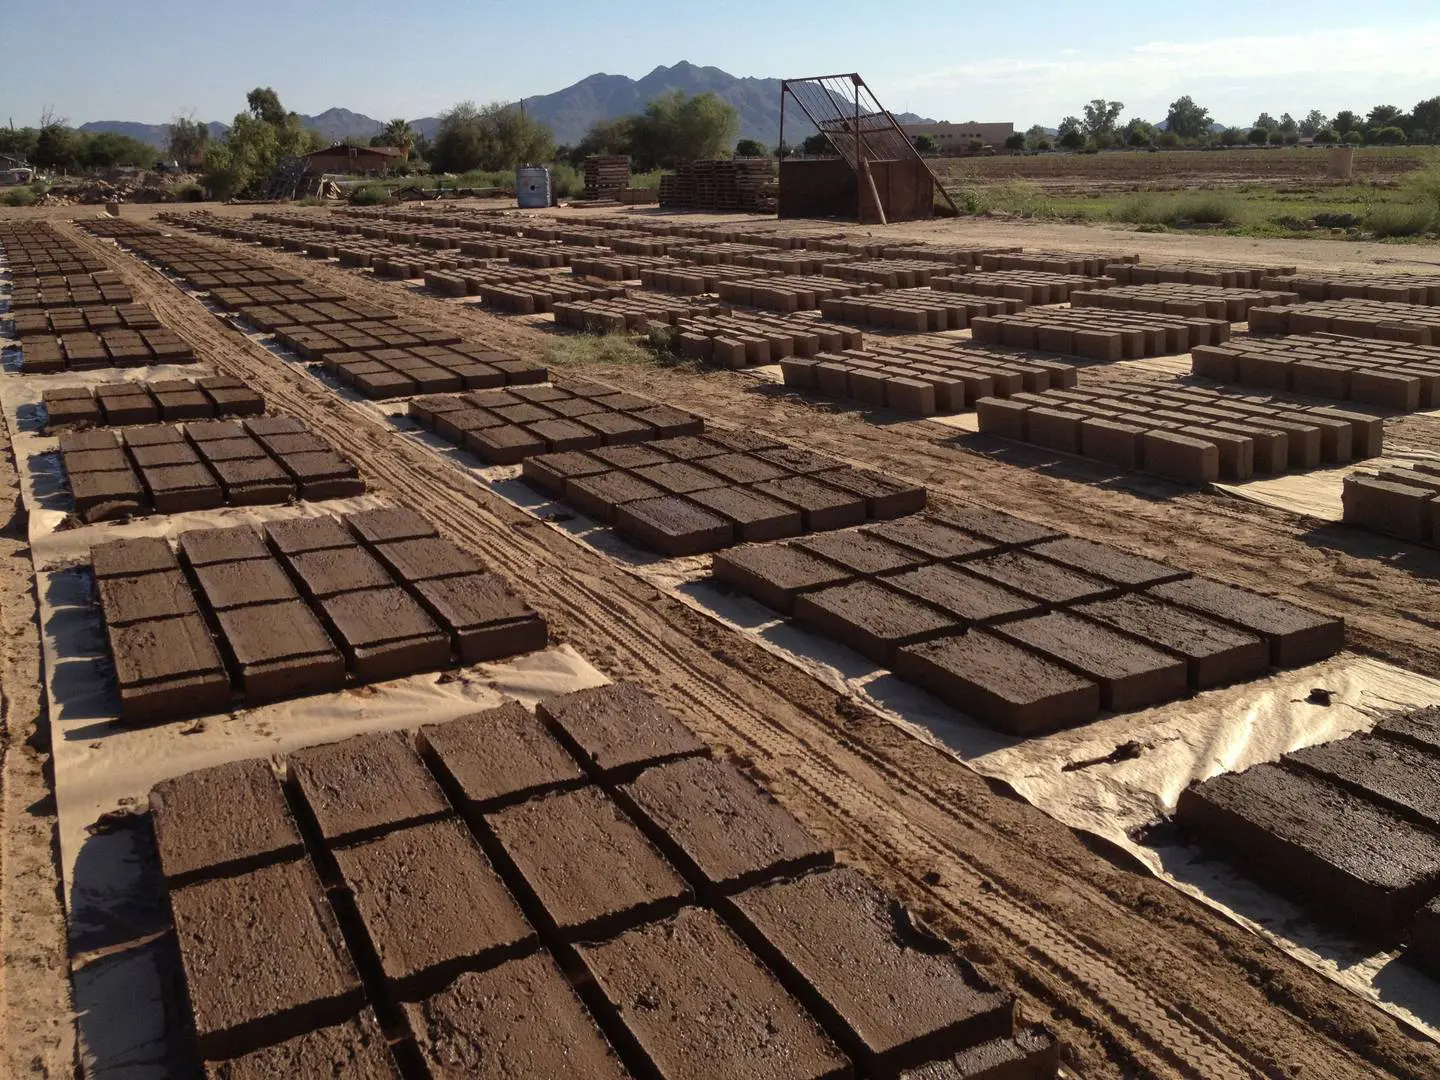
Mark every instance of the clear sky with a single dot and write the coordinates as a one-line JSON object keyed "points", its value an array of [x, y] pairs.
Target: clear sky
{"points": [[1026, 61]]}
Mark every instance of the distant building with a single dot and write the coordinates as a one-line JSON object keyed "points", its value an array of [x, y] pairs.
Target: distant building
{"points": [[353, 159], [957, 138]]}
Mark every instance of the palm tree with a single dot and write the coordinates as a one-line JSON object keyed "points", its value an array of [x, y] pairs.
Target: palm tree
{"points": [[397, 133]]}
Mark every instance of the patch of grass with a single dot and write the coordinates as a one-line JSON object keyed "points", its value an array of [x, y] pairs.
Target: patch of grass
{"points": [[370, 195], [1205, 208], [1395, 219], [19, 196], [579, 350]]}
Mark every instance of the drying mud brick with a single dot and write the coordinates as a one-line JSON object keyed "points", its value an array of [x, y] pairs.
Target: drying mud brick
{"points": [[355, 1050], [1419, 727], [597, 496], [126, 558], [263, 958], [175, 489], [752, 516], [861, 553], [280, 650], [550, 472], [672, 526], [1403, 778], [1043, 581], [591, 870], [201, 547], [1425, 937], [1131, 675], [431, 905], [969, 600], [721, 828], [1108, 563], [385, 634], [107, 496], [1000, 684], [775, 574], [365, 784], [1216, 653], [885, 498], [294, 536], [871, 619], [485, 618], [168, 668], [257, 482], [899, 994], [326, 573], [1296, 636], [932, 539], [389, 524], [493, 758], [822, 506], [618, 728], [519, 1019], [239, 584], [1350, 859], [696, 1004], [148, 596], [1032, 1054], [223, 820], [1003, 530]]}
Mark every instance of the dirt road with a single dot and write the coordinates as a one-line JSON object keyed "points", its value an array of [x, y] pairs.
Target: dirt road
{"points": [[1135, 978]]}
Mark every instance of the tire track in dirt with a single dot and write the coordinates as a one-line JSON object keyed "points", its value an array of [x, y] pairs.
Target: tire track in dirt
{"points": [[1113, 960]]}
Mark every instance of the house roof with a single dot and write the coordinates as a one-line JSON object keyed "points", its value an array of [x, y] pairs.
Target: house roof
{"points": [[383, 151]]}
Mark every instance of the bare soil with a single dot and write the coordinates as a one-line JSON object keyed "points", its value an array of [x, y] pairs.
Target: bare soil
{"points": [[1136, 979]]}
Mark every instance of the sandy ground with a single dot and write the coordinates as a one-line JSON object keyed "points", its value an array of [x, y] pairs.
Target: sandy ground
{"points": [[1135, 978]]}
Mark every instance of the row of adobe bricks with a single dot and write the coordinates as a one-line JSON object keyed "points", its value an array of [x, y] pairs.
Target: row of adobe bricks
{"points": [[577, 892]]}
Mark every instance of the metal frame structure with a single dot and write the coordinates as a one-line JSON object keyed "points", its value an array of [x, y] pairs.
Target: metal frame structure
{"points": [[845, 110]]}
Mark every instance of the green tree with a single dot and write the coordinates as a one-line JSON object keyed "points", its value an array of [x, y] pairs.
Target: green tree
{"points": [[1138, 133], [264, 104], [1187, 119], [1035, 135], [1016, 141], [1315, 122], [1327, 135], [1382, 116], [750, 148], [56, 147], [1288, 125], [1390, 135], [1266, 121], [106, 149], [1167, 140], [1425, 118], [498, 136], [1259, 135], [258, 140], [1232, 137], [397, 134], [1101, 115], [675, 127], [783, 151], [1345, 122], [817, 145], [1073, 139], [925, 144], [1351, 138], [186, 139]]}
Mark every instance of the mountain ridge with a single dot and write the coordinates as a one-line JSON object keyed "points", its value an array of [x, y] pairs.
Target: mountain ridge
{"points": [[568, 112]]}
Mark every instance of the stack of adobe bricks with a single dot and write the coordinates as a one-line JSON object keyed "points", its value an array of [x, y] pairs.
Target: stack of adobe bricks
{"points": [[1403, 502], [918, 311], [1031, 286], [1096, 335], [1417, 324], [1197, 301], [114, 404], [1195, 272]]}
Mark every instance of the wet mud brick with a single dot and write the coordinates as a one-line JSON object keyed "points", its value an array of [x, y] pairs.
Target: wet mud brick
{"points": [[280, 650], [695, 1004], [385, 634], [127, 558], [721, 828], [332, 571], [201, 547], [1425, 937], [860, 553], [356, 1050], [1419, 727], [158, 595], [592, 872], [1000, 684], [426, 558], [365, 785], [673, 526], [752, 516], [899, 995], [823, 507], [263, 958], [500, 756], [597, 496], [1216, 654], [295, 535], [323, 474], [775, 574], [1351, 860], [1131, 675], [618, 728], [220, 821], [431, 905], [520, 1019], [239, 584], [175, 489], [1296, 636], [1032, 1054], [1399, 776], [485, 618], [168, 668], [1045, 582], [253, 482], [550, 472], [1003, 530], [1108, 563], [885, 497], [388, 524], [932, 539], [969, 600], [107, 496], [871, 619]]}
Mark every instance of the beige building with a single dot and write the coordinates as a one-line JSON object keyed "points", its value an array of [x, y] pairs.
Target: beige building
{"points": [[957, 138]]}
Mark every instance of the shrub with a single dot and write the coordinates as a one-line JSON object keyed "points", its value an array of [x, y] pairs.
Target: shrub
{"points": [[1387, 136], [370, 195], [1167, 140], [1399, 219], [1327, 135], [19, 196], [1259, 136], [1016, 141], [190, 193], [1201, 209], [1351, 138]]}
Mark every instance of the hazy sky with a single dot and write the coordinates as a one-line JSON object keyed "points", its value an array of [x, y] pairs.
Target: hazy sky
{"points": [[1027, 61]]}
